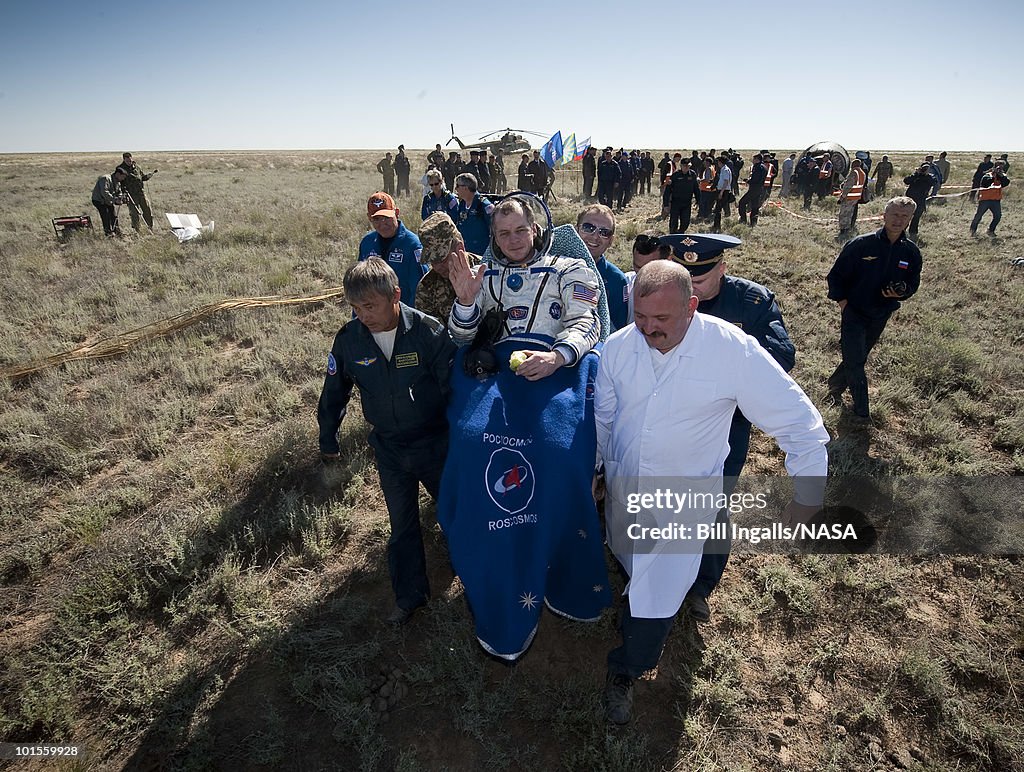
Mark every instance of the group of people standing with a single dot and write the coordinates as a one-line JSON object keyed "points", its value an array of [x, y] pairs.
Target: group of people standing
{"points": [[620, 176], [478, 379], [487, 168]]}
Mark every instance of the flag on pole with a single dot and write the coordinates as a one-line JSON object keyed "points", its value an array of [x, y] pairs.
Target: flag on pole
{"points": [[569, 149], [552, 150], [581, 148]]}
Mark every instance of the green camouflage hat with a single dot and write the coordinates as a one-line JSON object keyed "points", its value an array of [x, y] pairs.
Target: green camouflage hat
{"points": [[436, 234]]}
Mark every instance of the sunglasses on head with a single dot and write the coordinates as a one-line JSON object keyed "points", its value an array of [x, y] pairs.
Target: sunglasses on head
{"points": [[645, 244], [589, 227]]}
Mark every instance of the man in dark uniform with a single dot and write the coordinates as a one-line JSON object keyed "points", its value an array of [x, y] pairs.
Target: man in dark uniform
{"points": [[524, 181], [983, 168], [402, 168], [883, 171], [919, 186], [589, 174], [664, 169], [485, 181], [451, 169], [625, 180], [436, 156], [772, 168], [400, 359], [680, 191], [872, 274], [751, 200], [473, 167], [735, 163], [807, 179], [386, 167], [753, 309], [135, 185], [826, 176], [538, 171], [607, 176], [646, 173]]}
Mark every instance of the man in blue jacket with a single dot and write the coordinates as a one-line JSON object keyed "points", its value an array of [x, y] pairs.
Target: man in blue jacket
{"points": [[472, 216], [625, 180], [596, 226], [439, 199], [872, 274], [391, 241], [607, 176]]}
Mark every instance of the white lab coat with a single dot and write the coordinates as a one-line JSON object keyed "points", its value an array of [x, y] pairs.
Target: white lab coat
{"points": [[650, 429]]}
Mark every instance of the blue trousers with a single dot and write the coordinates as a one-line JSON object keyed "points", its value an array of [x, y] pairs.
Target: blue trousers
{"points": [[716, 552], [995, 207], [402, 468], [858, 334], [642, 642]]}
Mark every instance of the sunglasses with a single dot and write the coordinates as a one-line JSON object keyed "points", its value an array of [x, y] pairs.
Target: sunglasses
{"points": [[435, 184], [589, 227], [645, 244]]}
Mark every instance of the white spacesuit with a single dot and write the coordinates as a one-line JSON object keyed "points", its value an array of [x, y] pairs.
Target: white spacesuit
{"points": [[549, 301]]}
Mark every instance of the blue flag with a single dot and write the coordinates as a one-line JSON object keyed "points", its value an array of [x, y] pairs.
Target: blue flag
{"points": [[552, 150]]}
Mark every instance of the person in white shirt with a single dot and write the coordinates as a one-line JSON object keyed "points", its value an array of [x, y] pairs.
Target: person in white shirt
{"points": [[787, 174], [664, 399], [723, 193]]}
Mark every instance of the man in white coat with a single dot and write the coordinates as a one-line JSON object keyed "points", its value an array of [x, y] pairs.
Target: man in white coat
{"points": [[665, 395]]}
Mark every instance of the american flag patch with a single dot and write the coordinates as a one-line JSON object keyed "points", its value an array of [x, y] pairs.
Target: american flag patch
{"points": [[583, 292], [904, 264]]}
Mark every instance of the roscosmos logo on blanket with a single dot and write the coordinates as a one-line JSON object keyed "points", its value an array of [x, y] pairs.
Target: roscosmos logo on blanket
{"points": [[509, 480]]}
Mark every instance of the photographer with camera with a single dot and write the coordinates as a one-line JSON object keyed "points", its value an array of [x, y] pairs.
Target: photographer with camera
{"points": [[106, 193], [135, 191], [872, 274]]}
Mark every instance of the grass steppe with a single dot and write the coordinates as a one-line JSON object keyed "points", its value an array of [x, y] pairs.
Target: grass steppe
{"points": [[185, 586]]}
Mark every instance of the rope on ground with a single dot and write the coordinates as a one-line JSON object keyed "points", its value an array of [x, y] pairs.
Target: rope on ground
{"points": [[125, 341], [955, 195], [819, 220]]}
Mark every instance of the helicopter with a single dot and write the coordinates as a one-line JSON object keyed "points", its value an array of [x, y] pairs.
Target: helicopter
{"points": [[508, 142]]}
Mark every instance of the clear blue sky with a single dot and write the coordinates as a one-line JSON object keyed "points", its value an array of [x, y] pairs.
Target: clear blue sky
{"points": [[81, 76]]}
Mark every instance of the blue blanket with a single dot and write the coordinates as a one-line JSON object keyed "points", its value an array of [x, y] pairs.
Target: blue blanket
{"points": [[515, 501]]}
